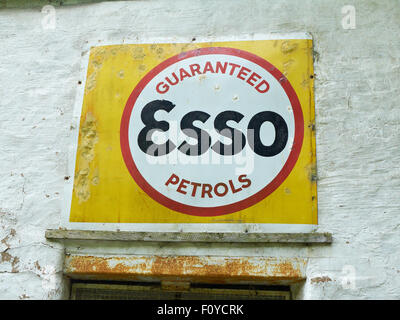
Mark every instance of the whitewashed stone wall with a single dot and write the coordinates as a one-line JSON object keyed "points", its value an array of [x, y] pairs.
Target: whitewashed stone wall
{"points": [[357, 92]]}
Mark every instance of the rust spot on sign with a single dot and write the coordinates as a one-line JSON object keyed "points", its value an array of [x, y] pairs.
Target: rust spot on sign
{"points": [[187, 268]]}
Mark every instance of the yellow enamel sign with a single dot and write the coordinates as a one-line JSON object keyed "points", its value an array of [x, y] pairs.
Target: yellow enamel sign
{"points": [[205, 132]]}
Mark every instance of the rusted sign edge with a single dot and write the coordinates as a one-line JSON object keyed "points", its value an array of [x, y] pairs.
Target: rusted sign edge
{"points": [[210, 269], [305, 238]]}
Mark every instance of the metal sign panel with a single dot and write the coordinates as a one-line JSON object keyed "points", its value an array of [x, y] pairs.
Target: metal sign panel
{"points": [[203, 133]]}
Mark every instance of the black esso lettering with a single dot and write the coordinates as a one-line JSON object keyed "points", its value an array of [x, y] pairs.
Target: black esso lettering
{"points": [[145, 142], [237, 137], [281, 133], [147, 145], [203, 138]]}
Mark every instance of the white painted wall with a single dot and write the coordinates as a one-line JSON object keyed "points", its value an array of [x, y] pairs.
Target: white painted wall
{"points": [[357, 93]]}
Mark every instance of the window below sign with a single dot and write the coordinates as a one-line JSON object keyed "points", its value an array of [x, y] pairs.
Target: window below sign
{"points": [[155, 291]]}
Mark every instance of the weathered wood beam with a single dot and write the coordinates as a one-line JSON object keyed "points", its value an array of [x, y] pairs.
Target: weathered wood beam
{"points": [[305, 238]]}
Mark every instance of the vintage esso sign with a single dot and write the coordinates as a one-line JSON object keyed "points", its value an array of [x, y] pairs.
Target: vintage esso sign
{"points": [[211, 131], [210, 135]]}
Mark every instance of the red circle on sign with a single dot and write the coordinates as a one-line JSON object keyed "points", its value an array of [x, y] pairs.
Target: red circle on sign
{"points": [[233, 207]]}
